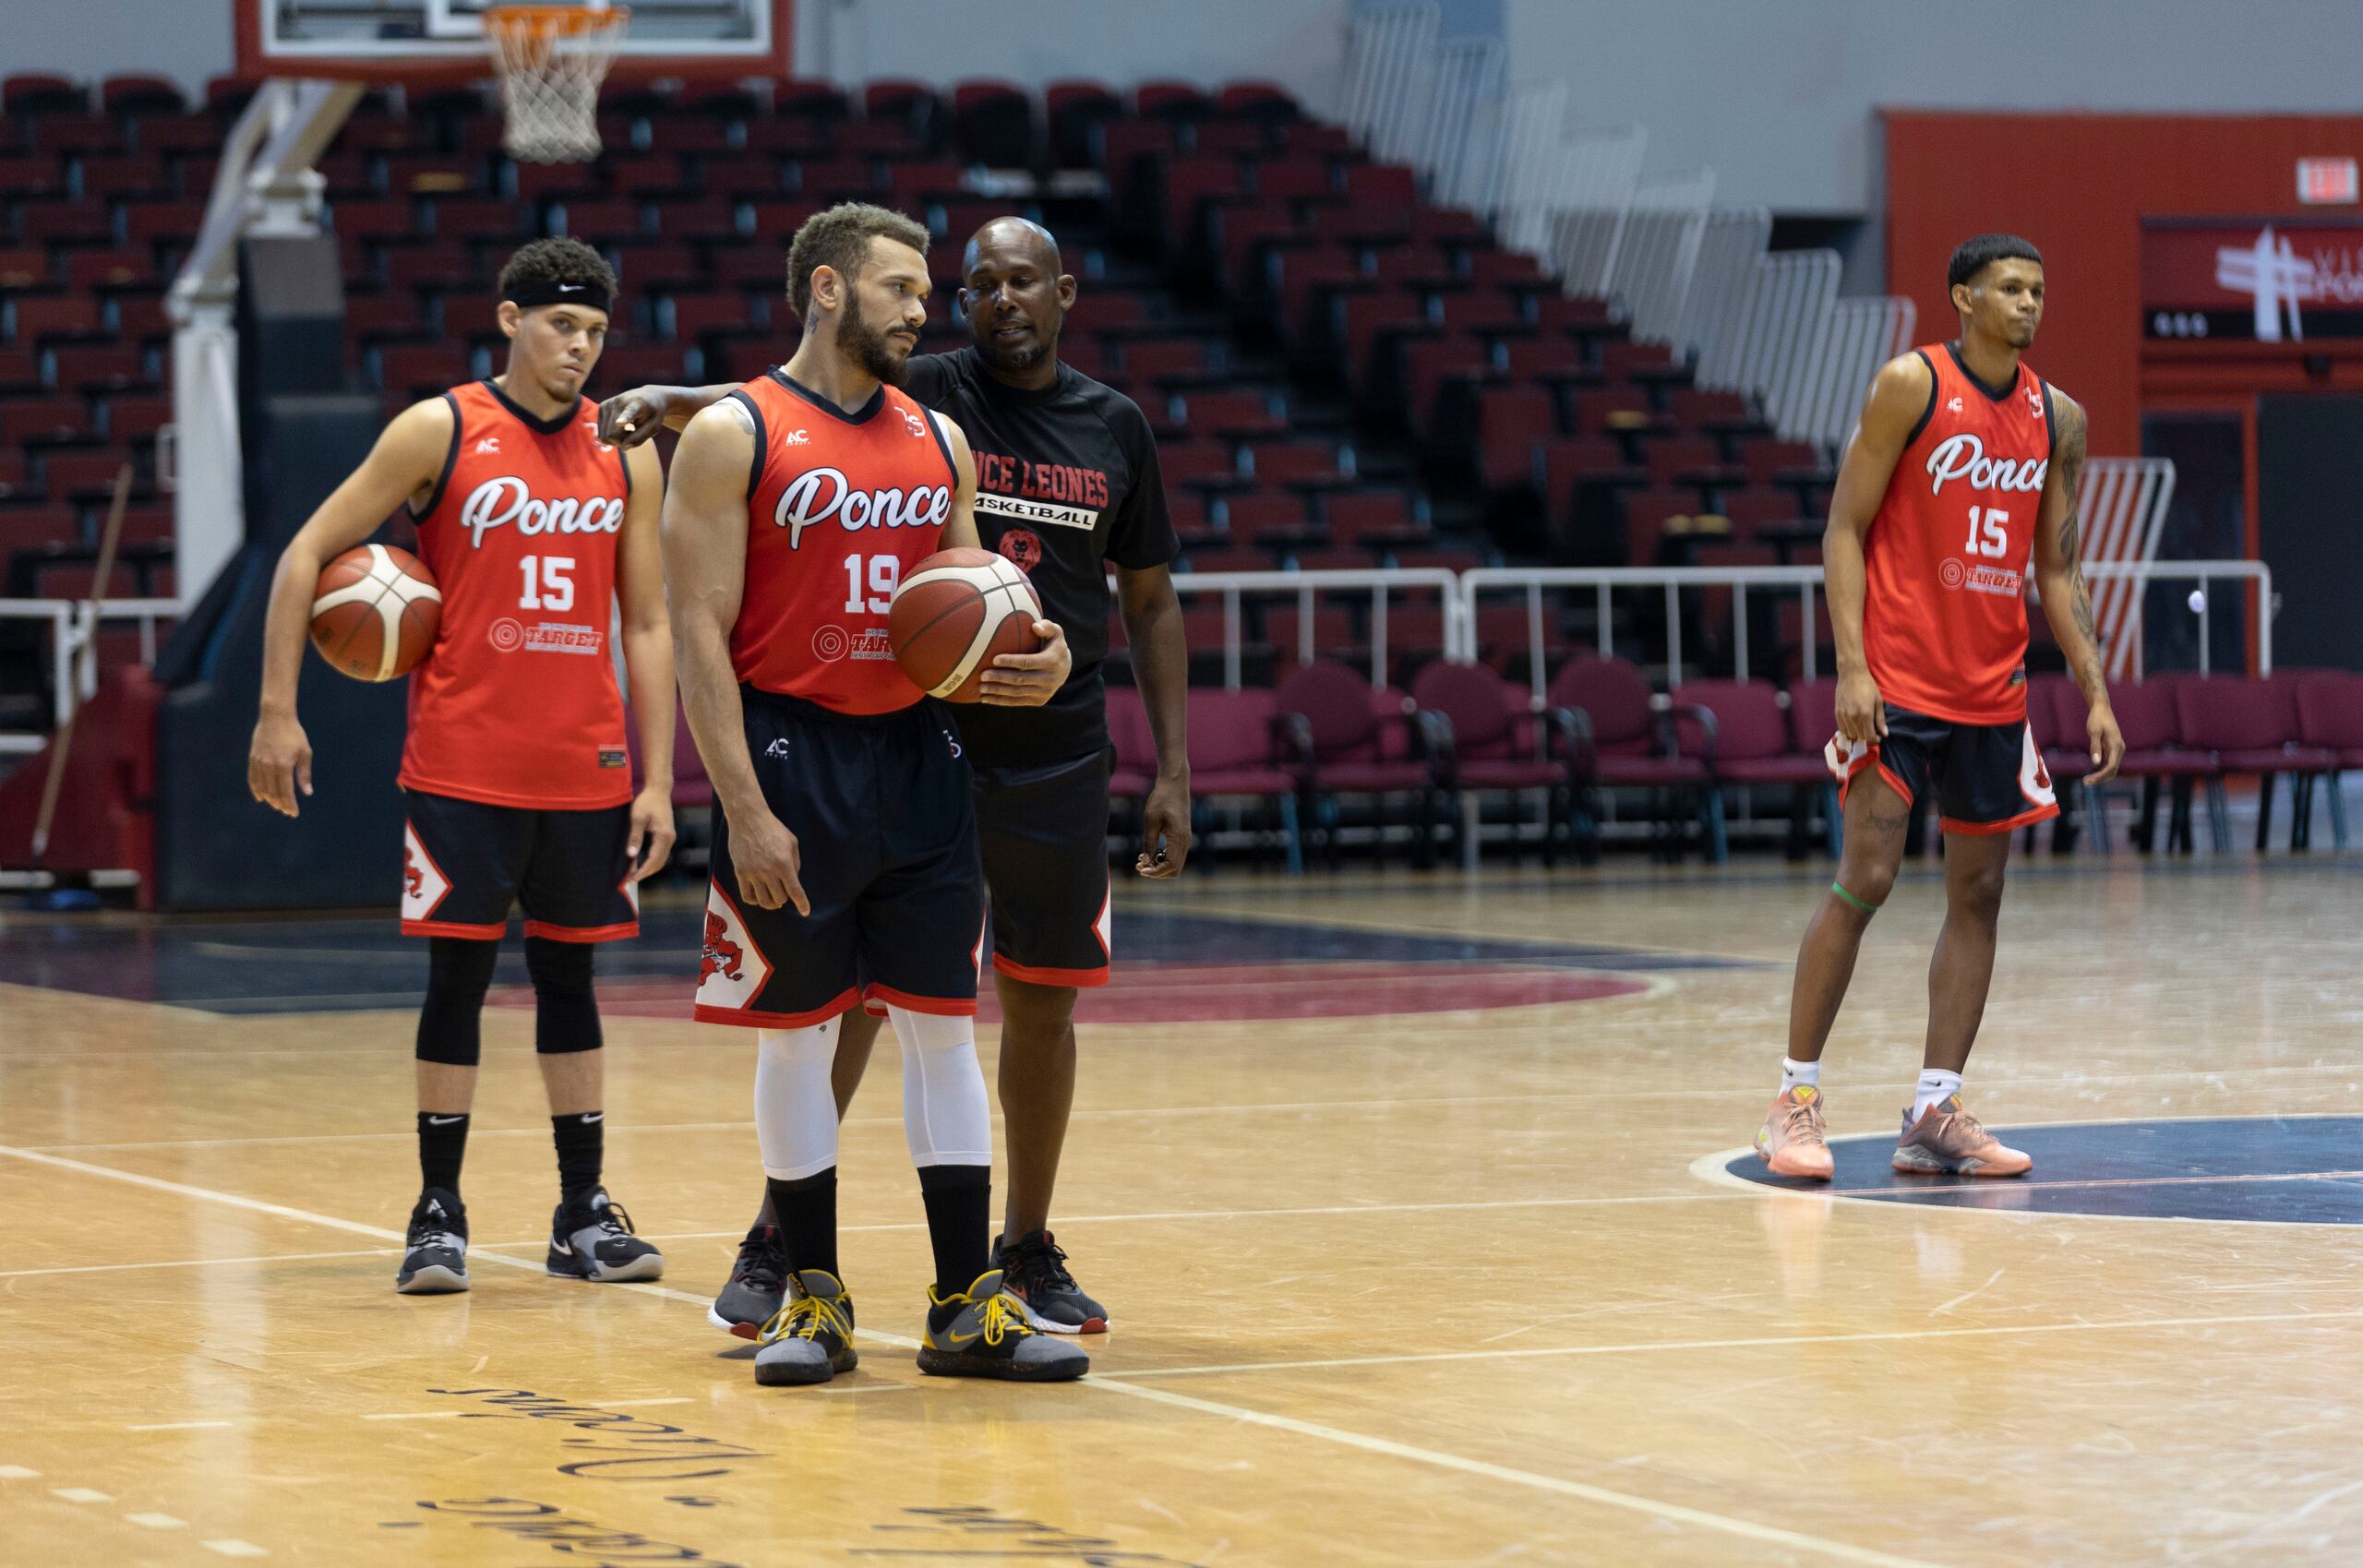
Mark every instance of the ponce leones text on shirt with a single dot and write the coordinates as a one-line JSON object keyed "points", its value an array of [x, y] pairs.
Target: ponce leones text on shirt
{"points": [[818, 494], [508, 500]]}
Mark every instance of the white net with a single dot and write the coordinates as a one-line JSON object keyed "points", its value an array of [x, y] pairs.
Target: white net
{"points": [[552, 59]]}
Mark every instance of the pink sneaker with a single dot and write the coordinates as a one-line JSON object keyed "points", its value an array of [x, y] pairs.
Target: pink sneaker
{"points": [[1790, 1141], [1948, 1141]]}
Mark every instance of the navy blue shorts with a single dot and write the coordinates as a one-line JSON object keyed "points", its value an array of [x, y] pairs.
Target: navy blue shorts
{"points": [[881, 808], [1044, 836], [465, 863], [1989, 778]]}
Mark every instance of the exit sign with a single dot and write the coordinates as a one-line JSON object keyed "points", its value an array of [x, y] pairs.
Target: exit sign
{"points": [[2326, 181]]}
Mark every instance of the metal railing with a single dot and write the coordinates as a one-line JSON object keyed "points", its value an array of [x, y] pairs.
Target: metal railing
{"points": [[1806, 581], [73, 650], [1308, 589]]}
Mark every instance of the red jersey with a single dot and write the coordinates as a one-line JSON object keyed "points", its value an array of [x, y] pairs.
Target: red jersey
{"points": [[517, 703], [839, 506], [1945, 610]]}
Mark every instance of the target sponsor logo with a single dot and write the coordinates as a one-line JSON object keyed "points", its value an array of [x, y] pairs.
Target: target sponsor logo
{"points": [[508, 501], [1963, 457], [821, 494], [1984, 580], [508, 634], [831, 643]]}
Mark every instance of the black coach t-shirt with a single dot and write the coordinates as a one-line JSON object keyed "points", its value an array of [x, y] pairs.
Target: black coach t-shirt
{"points": [[1066, 479]]}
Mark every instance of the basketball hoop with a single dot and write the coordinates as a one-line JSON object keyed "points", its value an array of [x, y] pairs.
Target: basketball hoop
{"points": [[552, 59]]}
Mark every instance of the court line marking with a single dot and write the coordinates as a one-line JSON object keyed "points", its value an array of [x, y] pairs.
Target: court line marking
{"points": [[1753, 1343], [1670, 1511], [210, 1262], [178, 1426]]}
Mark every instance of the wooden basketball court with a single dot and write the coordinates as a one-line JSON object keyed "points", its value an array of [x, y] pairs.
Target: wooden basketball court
{"points": [[1420, 1204]]}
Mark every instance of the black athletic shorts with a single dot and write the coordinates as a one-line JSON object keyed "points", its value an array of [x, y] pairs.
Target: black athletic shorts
{"points": [[464, 863], [887, 836], [1989, 778], [1044, 835]]}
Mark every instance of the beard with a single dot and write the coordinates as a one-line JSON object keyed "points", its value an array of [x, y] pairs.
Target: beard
{"points": [[868, 347], [1010, 360]]}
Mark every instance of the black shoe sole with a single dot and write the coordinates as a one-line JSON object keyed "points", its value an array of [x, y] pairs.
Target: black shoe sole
{"points": [[432, 1280], [783, 1375], [955, 1364]]}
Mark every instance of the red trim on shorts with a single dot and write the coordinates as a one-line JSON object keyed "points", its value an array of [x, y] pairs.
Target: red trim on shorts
{"points": [[1034, 977], [747, 1018], [491, 933], [941, 1007], [1980, 830], [1872, 759], [581, 933]]}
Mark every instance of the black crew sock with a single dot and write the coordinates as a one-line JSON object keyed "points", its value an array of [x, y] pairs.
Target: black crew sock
{"points": [[806, 1208], [959, 1201], [581, 1146], [442, 1144]]}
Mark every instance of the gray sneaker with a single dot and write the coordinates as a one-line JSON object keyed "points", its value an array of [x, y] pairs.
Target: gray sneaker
{"points": [[590, 1239], [810, 1338], [757, 1284], [984, 1333], [436, 1261]]}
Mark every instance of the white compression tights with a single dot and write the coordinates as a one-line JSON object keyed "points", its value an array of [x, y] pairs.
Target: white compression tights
{"points": [[795, 1110], [946, 1115]]}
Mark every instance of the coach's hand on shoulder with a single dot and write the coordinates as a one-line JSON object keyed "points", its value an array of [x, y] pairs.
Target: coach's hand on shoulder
{"points": [[1028, 680], [1861, 713], [769, 863], [651, 844], [629, 418], [279, 763]]}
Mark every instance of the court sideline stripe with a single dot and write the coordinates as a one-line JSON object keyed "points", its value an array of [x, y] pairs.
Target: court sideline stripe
{"points": [[1671, 1512]]}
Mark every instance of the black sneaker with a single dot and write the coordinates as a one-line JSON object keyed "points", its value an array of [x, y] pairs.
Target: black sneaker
{"points": [[1035, 1271], [590, 1239], [982, 1333], [757, 1284], [436, 1263]]}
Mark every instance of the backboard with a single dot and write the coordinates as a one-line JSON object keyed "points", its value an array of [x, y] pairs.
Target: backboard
{"points": [[423, 42]]}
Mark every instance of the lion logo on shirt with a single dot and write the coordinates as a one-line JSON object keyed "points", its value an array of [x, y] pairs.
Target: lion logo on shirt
{"points": [[1022, 548]]}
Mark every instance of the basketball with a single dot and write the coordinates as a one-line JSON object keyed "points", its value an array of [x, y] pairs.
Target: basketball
{"points": [[957, 612], [375, 612]]}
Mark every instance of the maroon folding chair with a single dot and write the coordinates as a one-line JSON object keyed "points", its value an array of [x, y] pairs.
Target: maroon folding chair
{"points": [[2252, 727], [1631, 744], [1487, 739], [2330, 715], [1746, 736], [1241, 747], [2146, 716], [1360, 741]]}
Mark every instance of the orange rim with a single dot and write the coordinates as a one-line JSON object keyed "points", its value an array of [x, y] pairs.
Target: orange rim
{"points": [[553, 21]]}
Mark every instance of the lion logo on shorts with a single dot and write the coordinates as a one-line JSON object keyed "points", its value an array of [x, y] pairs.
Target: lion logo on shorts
{"points": [[413, 878], [722, 955]]}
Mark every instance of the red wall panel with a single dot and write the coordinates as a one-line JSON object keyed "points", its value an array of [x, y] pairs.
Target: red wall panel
{"points": [[2078, 185]]}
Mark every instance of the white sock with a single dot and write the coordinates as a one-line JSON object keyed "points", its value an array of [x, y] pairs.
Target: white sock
{"points": [[796, 1109], [1936, 1084], [946, 1115], [1800, 1075]]}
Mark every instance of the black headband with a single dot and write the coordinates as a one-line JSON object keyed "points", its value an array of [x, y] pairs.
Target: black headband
{"points": [[526, 295]]}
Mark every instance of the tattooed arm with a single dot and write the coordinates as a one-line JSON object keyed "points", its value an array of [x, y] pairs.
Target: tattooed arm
{"points": [[2059, 577]]}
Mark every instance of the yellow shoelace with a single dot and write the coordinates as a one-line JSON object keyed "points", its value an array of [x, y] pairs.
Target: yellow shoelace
{"points": [[805, 1316], [1002, 1316]]}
